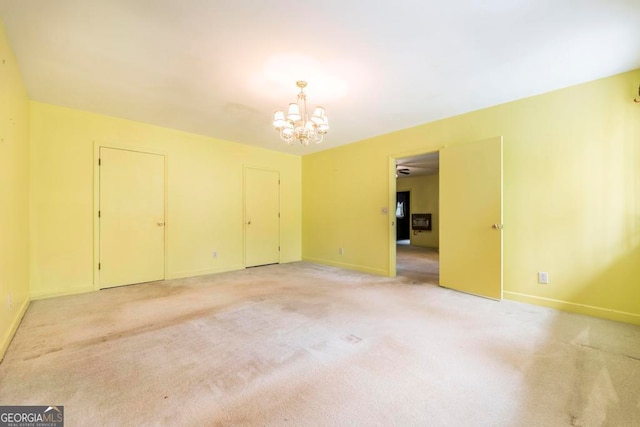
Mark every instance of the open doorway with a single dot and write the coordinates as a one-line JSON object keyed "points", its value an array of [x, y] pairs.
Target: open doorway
{"points": [[417, 218], [403, 217]]}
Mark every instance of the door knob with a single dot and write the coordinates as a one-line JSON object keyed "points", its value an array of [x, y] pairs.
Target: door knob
{"points": [[160, 223], [496, 226], [248, 222]]}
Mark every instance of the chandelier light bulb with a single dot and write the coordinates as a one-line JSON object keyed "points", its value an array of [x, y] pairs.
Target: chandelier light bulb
{"points": [[297, 126], [294, 112], [318, 116], [279, 120], [324, 127]]}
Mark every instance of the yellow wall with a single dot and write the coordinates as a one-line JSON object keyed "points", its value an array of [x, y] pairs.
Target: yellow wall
{"points": [[342, 207], [424, 199], [204, 193], [571, 195], [571, 201], [14, 195]]}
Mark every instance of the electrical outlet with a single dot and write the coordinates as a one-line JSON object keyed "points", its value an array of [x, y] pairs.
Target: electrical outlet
{"points": [[341, 250], [215, 254], [543, 277], [9, 301]]}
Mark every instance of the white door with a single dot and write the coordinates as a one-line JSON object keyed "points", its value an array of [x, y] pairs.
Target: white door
{"points": [[131, 217], [471, 218], [262, 217]]}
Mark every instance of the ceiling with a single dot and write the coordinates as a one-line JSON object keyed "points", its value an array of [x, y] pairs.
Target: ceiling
{"points": [[220, 68], [424, 164]]}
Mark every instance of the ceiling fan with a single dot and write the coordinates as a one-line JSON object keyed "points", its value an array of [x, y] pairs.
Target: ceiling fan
{"points": [[402, 170]]}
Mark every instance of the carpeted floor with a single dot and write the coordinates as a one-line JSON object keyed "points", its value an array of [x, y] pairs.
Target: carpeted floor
{"points": [[302, 344], [417, 265]]}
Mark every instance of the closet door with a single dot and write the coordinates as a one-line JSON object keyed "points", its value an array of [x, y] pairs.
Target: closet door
{"points": [[131, 217]]}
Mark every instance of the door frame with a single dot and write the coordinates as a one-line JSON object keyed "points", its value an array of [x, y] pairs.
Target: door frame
{"points": [[392, 200], [244, 210], [96, 200]]}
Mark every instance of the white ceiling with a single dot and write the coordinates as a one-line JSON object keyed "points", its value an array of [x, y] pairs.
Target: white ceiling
{"points": [[423, 164], [220, 68]]}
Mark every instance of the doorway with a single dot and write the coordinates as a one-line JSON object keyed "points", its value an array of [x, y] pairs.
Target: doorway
{"points": [[471, 226], [417, 256], [403, 216]]}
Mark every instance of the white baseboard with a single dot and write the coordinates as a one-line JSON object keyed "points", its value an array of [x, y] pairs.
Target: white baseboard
{"points": [[6, 340], [589, 310]]}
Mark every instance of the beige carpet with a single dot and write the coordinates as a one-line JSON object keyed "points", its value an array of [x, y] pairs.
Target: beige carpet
{"points": [[301, 344], [417, 265]]}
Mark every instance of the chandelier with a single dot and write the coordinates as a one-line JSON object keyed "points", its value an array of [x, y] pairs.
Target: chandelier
{"points": [[296, 125]]}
